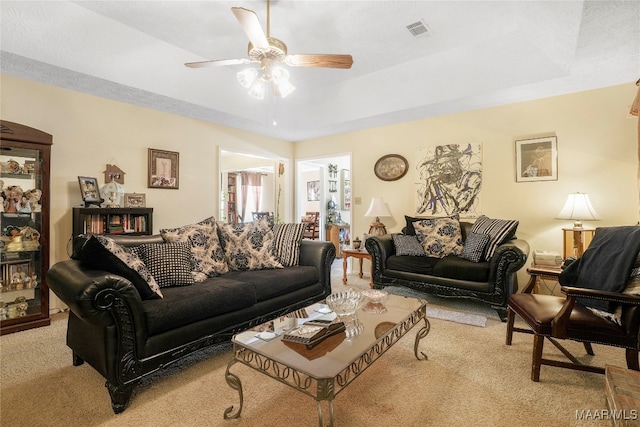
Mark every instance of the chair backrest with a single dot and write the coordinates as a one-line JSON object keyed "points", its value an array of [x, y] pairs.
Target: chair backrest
{"points": [[312, 221], [260, 215], [313, 217]]}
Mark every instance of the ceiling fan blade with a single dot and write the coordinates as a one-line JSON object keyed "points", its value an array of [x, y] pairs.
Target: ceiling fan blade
{"points": [[217, 63], [329, 61], [251, 26]]}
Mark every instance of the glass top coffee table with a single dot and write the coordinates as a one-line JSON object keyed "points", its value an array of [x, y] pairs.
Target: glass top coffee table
{"points": [[326, 369]]}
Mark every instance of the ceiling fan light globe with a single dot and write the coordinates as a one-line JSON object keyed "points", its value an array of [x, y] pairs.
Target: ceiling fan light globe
{"points": [[257, 89], [279, 75], [247, 77], [283, 89]]}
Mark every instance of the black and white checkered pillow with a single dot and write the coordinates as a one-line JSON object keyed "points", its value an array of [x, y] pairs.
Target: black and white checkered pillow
{"points": [[286, 243], [206, 250], [499, 230], [407, 245], [475, 246], [169, 263]]}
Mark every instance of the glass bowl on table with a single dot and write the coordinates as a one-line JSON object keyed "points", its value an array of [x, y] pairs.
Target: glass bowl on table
{"points": [[345, 303], [375, 301]]}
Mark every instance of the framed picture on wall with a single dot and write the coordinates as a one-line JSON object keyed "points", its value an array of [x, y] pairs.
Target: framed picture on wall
{"points": [[313, 191], [537, 159], [163, 169], [346, 190], [391, 167]]}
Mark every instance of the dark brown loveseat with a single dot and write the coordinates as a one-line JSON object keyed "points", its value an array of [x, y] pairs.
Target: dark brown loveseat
{"points": [[451, 276], [126, 338]]}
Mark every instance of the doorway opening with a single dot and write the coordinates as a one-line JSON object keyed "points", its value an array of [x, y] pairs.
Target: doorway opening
{"points": [[324, 186]]}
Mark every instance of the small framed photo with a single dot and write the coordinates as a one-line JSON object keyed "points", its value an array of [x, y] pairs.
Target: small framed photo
{"points": [[537, 159], [18, 272], [163, 169], [313, 191], [135, 200], [89, 190]]}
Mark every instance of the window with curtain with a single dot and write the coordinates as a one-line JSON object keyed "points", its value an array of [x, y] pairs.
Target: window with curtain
{"points": [[250, 194]]}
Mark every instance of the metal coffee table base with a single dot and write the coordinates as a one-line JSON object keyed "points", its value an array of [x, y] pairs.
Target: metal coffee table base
{"points": [[321, 389]]}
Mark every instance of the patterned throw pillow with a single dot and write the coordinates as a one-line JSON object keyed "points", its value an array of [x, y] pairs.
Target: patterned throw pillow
{"points": [[440, 237], [207, 253], [248, 246], [475, 246], [103, 253], [499, 231], [286, 243], [407, 245], [169, 263]]}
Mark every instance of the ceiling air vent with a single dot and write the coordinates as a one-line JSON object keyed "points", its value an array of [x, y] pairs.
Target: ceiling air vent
{"points": [[418, 28]]}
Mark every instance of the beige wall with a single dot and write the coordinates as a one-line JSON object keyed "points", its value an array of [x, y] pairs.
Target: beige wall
{"points": [[89, 132], [596, 145]]}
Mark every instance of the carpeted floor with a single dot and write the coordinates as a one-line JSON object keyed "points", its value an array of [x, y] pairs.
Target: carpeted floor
{"points": [[471, 378]]}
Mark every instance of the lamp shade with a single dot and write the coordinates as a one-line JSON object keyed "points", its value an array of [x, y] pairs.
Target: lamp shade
{"points": [[377, 208], [113, 192], [578, 207]]}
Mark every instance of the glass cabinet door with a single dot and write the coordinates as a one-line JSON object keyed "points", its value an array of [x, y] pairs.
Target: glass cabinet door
{"points": [[24, 227]]}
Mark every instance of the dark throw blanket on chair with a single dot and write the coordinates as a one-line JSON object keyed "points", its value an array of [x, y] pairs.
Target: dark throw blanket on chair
{"points": [[606, 264]]}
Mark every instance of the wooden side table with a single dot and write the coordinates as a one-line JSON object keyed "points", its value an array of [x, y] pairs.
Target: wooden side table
{"points": [[540, 273], [360, 255]]}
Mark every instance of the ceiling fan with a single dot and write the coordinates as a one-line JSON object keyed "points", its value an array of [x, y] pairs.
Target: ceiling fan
{"points": [[269, 52]]}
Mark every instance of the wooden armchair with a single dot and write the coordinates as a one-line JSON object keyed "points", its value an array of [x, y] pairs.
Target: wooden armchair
{"points": [[259, 215], [557, 318], [312, 225]]}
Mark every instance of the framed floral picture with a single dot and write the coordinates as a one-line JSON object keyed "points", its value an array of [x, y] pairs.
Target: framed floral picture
{"points": [[537, 159], [163, 169]]}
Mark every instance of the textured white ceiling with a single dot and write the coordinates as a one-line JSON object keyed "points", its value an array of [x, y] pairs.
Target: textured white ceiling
{"points": [[476, 54]]}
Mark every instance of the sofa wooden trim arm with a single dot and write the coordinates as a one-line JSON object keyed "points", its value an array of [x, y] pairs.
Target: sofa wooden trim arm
{"points": [[108, 325], [502, 281]]}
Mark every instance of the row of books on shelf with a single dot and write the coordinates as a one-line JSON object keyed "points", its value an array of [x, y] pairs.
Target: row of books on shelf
{"points": [[115, 224]]}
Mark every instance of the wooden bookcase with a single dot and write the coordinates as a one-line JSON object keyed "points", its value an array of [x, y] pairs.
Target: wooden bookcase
{"points": [[133, 221], [232, 189]]}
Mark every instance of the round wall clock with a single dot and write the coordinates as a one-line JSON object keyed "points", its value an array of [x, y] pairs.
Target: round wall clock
{"points": [[391, 167]]}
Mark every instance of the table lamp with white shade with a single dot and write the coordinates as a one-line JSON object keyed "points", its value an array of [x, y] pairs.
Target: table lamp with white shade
{"points": [[578, 208], [377, 209]]}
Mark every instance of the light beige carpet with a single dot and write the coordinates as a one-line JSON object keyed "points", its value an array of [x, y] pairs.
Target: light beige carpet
{"points": [[471, 378]]}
